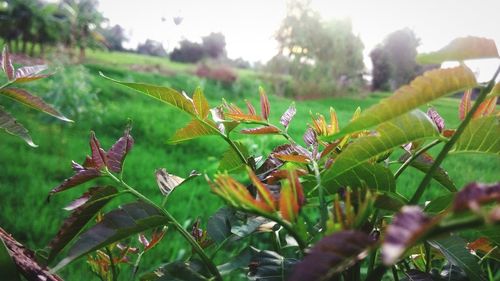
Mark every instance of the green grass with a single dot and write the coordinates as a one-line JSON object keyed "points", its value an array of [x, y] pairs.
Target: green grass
{"points": [[28, 174]]}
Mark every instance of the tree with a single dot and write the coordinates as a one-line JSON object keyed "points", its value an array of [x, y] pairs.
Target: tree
{"points": [[324, 58], [114, 37], [189, 52], [398, 52], [152, 48], [214, 45]]}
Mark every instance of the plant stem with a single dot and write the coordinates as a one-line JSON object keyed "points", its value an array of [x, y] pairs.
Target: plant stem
{"points": [[427, 257], [415, 156], [447, 147], [136, 265], [323, 208], [112, 264], [196, 247], [395, 273]]}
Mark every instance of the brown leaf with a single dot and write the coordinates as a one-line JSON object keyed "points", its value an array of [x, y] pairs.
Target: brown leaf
{"points": [[7, 66], [475, 194], [118, 152], [288, 115], [465, 104], [99, 158], [264, 104], [264, 130]]}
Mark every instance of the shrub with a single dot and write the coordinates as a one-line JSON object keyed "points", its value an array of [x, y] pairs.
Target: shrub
{"points": [[326, 207], [220, 73]]}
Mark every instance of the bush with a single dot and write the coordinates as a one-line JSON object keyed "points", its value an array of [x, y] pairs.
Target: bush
{"points": [[220, 73]]}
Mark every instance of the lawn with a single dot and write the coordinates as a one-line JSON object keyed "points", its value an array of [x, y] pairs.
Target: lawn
{"points": [[28, 174]]}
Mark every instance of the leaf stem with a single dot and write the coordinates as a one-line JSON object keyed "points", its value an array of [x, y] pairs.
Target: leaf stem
{"points": [[415, 156], [196, 247], [323, 208], [447, 147]]}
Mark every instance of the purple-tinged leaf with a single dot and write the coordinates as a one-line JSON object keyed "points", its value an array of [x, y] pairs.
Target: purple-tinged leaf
{"points": [[288, 115], [436, 118], [117, 153], [465, 104], [77, 167], [475, 194], [264, 130], [310, 137], [30, 73], [84, 209], [120, 223], [11, 126], [333, 254], [7, 66], [264, 104], [168, 182], [417, 275], [32, 101], [98, 154], [407, 227], [251, 109], [77, 179]]}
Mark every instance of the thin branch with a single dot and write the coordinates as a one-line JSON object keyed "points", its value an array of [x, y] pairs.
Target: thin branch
{"points": [[415, 156]]}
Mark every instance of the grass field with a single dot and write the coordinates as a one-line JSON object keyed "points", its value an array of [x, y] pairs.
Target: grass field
{"points": [[28, 174]]}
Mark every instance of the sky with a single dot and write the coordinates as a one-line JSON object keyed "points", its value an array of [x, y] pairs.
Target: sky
{"points": [[249, 26]]}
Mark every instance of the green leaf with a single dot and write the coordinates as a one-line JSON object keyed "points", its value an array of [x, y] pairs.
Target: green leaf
{"points": [[482, 135], [11, 126], [35, 102], [230, 160], [390, 201], [439, 204], [270, 266], [410, 127], [200, 103], [374, 176], [116, 225], [454, 249], [495, 92], [7, 266], [194, 129], [239, 261], [164, 94], [465, 48], [423, 163], [84, 209], [425, 88]]}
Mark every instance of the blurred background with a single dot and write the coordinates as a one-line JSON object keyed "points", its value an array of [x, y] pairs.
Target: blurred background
{"points": [[342, 54]]}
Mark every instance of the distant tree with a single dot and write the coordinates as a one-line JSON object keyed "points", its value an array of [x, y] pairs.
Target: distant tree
{"points": [[381, 72], [398, 51], [114, 37], [214, 45], [323, 58], [189, 52], [152, 48]]}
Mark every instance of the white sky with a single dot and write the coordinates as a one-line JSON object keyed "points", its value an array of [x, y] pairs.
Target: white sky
{"points": [[249, 25]]}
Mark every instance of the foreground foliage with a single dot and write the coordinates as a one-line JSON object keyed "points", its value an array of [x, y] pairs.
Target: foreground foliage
{"points": [[325, 210]]}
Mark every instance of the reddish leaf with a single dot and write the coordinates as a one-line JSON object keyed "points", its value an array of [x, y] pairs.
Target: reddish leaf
{"points": [[156, 238], [84, 209], [288, 115], [289, 207], [7, 66], [35, 102], [407, 227], [436, 118], [117, 153], [251, 109], [264, 130], [465, 105], [77, 179], [486, 107], [99, 159], [448, 133], [292, 158], [262, 190], [264, 104], [278, 175], [481, 244], [333, 254], [475, 194], [242, 117], [293, 178]]}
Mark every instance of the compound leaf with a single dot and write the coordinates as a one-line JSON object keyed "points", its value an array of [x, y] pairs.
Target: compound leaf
{"points": [[11, 126]]}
